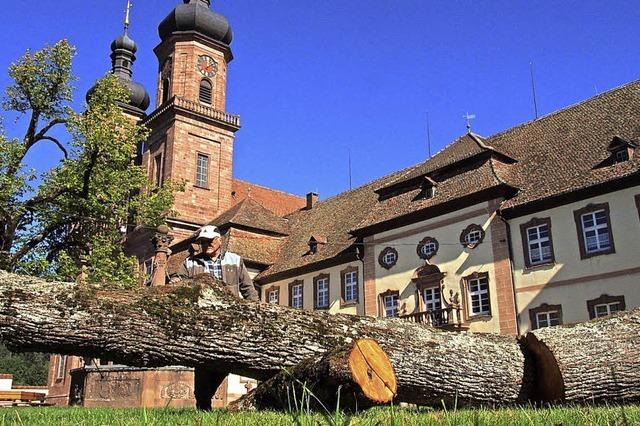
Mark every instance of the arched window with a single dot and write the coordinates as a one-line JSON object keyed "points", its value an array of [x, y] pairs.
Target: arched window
{"points": [[165, 89], [206, 92]]}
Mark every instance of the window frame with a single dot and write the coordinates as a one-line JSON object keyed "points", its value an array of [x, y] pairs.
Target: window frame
{"points": [[602, 300], [316, 282], [524, 233], [544, 308], [269, 291], [61, 367], [424, 297], [210, 83], [591, 209], [293, 284], [474, 227], [158, 169], [382, 303], [382, 255], [343, 286], [637, 197], [423, 243], [208, 165], [467, 290]]}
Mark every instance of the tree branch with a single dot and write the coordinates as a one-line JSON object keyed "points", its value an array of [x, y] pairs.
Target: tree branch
{"points": [[37, 239], [57, 142], [42, 133]]}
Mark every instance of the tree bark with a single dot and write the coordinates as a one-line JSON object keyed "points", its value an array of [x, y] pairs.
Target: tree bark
{"points": [[202, 325], [597, 361], [354, 377]]}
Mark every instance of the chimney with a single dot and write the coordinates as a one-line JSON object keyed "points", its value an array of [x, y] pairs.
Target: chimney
{"points": [[312, 199]]}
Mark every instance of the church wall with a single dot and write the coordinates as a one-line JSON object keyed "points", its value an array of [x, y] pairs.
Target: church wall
{"points": [[570, 281], [191, 138]]}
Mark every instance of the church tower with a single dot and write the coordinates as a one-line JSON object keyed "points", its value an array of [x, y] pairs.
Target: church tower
{"points": [[192, 134]]}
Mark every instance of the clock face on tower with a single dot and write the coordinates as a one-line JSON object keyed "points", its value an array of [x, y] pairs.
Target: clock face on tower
{"points": [[207, 66]]}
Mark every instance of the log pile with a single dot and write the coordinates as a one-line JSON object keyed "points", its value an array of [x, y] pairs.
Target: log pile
{"points": [[203, 326]]}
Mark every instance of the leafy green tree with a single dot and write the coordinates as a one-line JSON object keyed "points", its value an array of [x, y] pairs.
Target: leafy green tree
{"points": [[70, 217], [28, 369]]}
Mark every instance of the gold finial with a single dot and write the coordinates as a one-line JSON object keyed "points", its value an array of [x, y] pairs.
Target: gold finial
{"points": [[127, 16]]}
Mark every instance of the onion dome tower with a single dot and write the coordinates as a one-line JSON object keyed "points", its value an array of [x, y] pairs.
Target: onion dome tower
{"points": [[123, 55], [196, 15]]}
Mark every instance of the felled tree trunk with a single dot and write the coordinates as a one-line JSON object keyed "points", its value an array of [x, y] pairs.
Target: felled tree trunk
{"points": [[357, 376], [597, 361], [202, 325]]}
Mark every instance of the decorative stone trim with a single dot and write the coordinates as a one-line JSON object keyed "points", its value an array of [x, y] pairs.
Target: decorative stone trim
{"points": [[525, 241], [577, 214], [343, 274], [605, 298], [315, 290], [291, 285], [533, 313], [383, 254], [426, 242], [471, 229]]}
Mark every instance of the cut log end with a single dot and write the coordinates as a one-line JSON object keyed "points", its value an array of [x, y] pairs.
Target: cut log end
{"points": [[549, 385], [371, 369]]}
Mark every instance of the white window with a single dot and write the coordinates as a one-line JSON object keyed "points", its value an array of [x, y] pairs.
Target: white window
{"points": [[605, 309], [274, 297], [432, 299], [539, 244], [351, 286], [479, 296], [595, 230], [390, 258], [61, 367], [547, 319], [202, 171], [391, 305], [429, 249], [296, 296], [322, 293]]}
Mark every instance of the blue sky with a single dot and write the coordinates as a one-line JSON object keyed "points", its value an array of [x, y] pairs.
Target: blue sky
{"points": [[315, 80]]}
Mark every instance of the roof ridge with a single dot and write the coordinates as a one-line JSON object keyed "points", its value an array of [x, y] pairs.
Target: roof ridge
{"points": [[269, 188], [369, 183], [565, 108]]}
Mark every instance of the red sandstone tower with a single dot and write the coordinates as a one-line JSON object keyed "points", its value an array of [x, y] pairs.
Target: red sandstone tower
{"points": [[192, 134]]}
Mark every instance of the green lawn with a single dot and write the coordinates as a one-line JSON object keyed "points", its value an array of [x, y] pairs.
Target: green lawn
{"points": [[628, 415]]}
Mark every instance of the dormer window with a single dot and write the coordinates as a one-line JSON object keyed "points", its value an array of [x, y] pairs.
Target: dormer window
{"points": [[621, 151], [315, 243], [428, 188]]}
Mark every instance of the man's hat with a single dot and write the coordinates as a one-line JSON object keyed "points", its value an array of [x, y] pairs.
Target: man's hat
{"points": [[208, 232]]}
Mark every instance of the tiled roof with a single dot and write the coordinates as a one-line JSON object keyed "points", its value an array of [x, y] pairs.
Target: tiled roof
{"points": [[250, 213], [253, 247], [553, 155], [332, 219], [558, 153], [479, 176], [279, 202]]}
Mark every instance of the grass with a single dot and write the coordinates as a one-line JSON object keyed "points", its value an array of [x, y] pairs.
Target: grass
{"points": [[627, 415]]}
